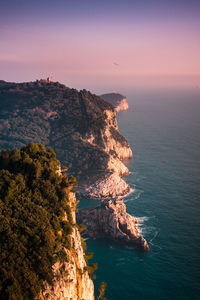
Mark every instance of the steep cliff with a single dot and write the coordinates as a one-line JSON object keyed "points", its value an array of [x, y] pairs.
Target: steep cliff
{"points": [[42, 253], [110, 219], [117, 100], [80, 126], [71, 279]]}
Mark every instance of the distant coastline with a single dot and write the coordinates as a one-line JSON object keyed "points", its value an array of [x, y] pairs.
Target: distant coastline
{"points": [[119, 101]]}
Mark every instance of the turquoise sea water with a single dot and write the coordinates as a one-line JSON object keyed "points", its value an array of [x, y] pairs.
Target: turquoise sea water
{"points": [[163, 129]]}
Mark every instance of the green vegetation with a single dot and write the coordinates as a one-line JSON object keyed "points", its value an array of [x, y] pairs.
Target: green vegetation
{"points": [[33, 230], [118, 137], [92, 267], [58, 117], [101, 290], [113, 98]]}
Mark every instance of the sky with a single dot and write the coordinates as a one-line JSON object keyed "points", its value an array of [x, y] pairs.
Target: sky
{"points": [[94, 44]]}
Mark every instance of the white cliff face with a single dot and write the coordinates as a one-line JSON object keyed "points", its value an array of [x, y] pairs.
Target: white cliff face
{"points": [[111, 186], [115, 165], [71, 281], [122, 105], [121, 148], [110, 140], [71, 278], [117, 148], [117, 100], [111, 219]]}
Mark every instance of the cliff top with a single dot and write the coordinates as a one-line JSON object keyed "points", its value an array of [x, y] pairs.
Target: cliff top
{"points": [[36, 219], [79, 125], [113, 98]]}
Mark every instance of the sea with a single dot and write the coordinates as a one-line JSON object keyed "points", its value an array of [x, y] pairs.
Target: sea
{"points": [[162, 127]]}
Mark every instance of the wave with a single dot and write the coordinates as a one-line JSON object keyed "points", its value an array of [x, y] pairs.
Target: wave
{"points": [[136, 193], [132, 190], [141, 220], [146, 230], [143, 229], [155, 235], [140, 223], [152, 244]]}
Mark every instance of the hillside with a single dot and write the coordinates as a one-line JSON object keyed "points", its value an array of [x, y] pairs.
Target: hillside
{"points": [[117, 100], [42, 253], [80, 126]]}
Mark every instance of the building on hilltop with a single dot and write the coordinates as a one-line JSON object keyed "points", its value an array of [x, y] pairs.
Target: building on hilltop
{"points": [[49, 79]]}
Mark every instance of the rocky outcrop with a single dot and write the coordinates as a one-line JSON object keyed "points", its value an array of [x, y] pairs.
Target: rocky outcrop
{"points": [[117, 100], [111, 186], [111, 142], [111, 220], [81, 127], [43, 254], [71, 280], [117, 148]]}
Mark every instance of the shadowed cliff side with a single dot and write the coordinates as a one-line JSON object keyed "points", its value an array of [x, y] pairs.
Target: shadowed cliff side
{"points": [[111, 220], [117, 100], [42, 253], [80, 126]]}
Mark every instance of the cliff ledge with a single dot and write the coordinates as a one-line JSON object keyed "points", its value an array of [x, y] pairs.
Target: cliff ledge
{"points": [[110, 219], [117, 100]]}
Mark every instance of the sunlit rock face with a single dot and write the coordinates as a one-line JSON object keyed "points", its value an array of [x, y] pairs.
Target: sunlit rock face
{"points": [[80, 126], [111, 186], [117, 100], [111, 220], [71, 280]]}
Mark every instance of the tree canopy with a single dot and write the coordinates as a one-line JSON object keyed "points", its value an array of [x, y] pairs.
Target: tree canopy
{"points": [[33, 230]]}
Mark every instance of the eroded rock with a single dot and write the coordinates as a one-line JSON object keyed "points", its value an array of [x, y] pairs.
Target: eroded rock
{"points": [[111, 220]]}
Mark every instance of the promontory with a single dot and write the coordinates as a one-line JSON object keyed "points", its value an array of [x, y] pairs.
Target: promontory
{"points": [[117, 100], [80, 126]]}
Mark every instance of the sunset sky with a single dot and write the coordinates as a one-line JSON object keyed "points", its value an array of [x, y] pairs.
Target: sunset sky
{"points": [[106, 43]]}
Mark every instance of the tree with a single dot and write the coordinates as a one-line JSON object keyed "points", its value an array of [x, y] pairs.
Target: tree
{"points": [[101, 290], [33, 235]]}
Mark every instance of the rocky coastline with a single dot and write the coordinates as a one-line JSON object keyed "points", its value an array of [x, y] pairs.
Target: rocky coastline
{"points": [[111, 186], [79, 125], [111, 220], [119, 101], [71, 278]]}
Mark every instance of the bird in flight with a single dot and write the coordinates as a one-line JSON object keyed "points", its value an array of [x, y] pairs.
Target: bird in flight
{"points": [[116, 64]]}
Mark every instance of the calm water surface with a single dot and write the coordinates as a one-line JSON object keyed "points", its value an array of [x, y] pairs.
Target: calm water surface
{"points": [[163, 130]]}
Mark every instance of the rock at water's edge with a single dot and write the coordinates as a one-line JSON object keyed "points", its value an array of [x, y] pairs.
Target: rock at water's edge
{"points": [[111, 186], [111, 220], [117, 100]]}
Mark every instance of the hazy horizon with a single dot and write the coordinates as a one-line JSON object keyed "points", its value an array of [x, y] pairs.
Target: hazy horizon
{"points": [[94, 44]]}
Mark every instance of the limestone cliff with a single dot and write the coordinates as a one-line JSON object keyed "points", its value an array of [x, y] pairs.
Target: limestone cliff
{"points": [[42, 253], [109, 183], [117, 100], [110, 219], [80, 126], [111, 186], [71, 279]]}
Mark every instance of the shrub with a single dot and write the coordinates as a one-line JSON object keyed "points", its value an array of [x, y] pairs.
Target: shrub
{"points": [[33, 234]]}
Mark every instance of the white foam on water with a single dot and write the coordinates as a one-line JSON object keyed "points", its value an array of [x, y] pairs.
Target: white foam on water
{"points": [[120, 264], [135, 195], [132, 190], [155, 235], [141, 221], [121, 259], [153, 238]]}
